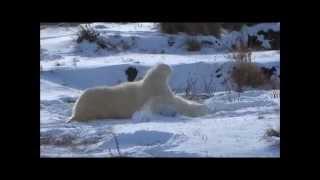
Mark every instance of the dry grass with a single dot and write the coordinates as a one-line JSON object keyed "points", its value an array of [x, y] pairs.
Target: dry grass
{"points": [[272, 132], [191, 86], [245, 73], [191, 28], [235, 26], [207, 28], [86, 32], [209, 86], [272, 135], [273, 37], [193, 45], [241, 52]]}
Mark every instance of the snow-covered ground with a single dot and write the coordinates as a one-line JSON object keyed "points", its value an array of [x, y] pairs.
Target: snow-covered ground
{"points": [[234, 127]]}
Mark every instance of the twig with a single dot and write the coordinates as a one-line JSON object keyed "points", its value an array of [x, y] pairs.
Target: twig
{"points": [[110, 152], [117, 143]]}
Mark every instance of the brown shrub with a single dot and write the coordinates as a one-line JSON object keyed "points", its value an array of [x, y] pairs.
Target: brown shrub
{"points": [[241, 52], [245, 73], [235, 26], [86, 32], [193, 45], [206, 28], [192, 28]]}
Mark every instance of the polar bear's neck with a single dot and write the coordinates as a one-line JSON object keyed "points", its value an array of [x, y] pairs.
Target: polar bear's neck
{"points": [[156, 83]]}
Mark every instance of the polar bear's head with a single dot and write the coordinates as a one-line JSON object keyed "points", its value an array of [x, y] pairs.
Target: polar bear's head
{"points": [[160, 72], [163, 69], [156, 80]]}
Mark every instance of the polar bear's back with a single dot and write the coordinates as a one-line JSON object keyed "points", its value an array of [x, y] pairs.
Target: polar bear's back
{"points": [[96, 103]]}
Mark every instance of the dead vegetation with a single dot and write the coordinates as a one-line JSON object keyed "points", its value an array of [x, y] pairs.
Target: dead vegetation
{"points": [[245, 72]]}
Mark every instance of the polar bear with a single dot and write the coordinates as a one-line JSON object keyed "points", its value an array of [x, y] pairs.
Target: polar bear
{"points": [[123, 100]]}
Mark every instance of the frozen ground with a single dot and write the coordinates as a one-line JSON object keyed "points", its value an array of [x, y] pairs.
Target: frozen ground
{"points": [[234, 127]]}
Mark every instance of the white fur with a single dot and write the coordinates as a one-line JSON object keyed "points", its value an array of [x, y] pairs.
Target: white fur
{"points": [[121, 101]]}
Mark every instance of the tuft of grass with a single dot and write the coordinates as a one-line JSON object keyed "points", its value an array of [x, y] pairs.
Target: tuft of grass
{"points": [[245, 73], [241, 52], [191, 87], [86, 32], [272, 135], [57, 64], [272, 132], [75, 61], [192, 28], [209, 86], [235, 26], [193, 45], [206, 28], [273, 37], [275, 94]]}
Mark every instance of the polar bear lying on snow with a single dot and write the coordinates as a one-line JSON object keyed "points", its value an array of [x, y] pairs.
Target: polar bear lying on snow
{"points": [[123, 100]]}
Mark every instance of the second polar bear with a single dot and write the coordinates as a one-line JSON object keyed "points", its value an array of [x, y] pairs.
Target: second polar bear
{"points": [[123, 100]]}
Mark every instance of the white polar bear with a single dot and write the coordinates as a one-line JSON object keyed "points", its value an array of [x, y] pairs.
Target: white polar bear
{"points": [[123, 100]]}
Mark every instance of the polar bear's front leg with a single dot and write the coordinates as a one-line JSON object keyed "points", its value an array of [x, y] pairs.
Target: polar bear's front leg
{"points": [[175, 104], [189, 108]]}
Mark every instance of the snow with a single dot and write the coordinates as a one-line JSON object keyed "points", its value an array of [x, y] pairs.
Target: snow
{"points": [[234, 127]]}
